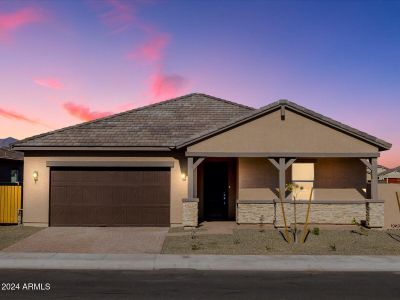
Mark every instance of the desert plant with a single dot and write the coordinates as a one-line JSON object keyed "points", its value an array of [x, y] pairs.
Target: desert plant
{"points": [[315, 231], [268, 247], [361, 229], [236, 240], [195, 246], [193, 234], [305, 229], [332, 247], [286, 234], [295, 189]]}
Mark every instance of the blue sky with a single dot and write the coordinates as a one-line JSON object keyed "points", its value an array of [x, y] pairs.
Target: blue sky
{"points": [[63, 62]]}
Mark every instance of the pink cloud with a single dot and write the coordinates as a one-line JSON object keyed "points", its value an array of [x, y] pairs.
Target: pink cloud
{"points": [[12, 21], [119, 15], [152, 50], [51, 83], [20, 117], [165, 86], [83, 112]]}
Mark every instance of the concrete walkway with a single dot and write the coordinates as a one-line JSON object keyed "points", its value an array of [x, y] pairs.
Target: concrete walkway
{"points": [[94, 240], [198, 262]]}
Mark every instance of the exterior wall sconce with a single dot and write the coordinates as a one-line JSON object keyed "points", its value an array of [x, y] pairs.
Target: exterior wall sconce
{"points": [[35, 176], [183, 176]]}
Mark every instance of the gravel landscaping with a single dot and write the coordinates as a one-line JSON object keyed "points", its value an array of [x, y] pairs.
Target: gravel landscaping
{"points": [[12, 234], [270, 242]]}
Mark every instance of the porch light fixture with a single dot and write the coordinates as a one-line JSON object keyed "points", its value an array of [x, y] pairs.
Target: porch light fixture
{"points": [[183, 176], [35, 176]]}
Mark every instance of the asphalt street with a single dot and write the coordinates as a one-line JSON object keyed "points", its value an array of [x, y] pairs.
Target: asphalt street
{"points": [[189, 284]]}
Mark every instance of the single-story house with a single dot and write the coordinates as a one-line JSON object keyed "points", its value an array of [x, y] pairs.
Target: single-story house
{"points": [[198, 157], [390, 175], [11, 166]]}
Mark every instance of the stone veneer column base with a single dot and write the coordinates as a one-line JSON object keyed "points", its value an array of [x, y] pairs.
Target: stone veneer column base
{"points": [[190, 213], [376, 213], [288, 207], [321, 212], [255, 212]]}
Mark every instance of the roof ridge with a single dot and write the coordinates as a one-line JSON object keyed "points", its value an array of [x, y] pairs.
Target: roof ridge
{"points": [[127, 112], [226, 101]]}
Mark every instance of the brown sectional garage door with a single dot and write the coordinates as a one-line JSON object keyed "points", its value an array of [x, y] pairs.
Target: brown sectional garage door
{"points": [[110, 197]]}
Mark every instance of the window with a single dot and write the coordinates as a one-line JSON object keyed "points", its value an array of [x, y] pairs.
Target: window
{"points": [[14, 176], [303, 176]]}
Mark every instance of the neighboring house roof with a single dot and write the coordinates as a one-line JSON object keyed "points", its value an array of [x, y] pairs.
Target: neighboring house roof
{"points": [[163, 124], [380, 169], [175, 123], [6, 153], [390, 173], [7, 142]]}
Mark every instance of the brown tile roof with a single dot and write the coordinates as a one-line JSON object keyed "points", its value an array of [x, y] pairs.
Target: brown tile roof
{"points": [[174, 123], [163, 124]]}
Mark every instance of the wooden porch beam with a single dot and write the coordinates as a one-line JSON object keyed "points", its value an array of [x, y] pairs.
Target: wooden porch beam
{"points": [[289, 163], [198, 162], [366, 162], [274, 163]]}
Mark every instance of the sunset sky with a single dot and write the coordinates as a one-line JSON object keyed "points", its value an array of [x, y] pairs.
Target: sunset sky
{"points": [[64, 62]]}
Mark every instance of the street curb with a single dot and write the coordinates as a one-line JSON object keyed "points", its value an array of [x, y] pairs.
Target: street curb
{"points": [[148, 262]]}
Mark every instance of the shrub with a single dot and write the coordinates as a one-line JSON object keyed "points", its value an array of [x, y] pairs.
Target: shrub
{"points": [[332, 247], [315, 231], [195, 246]]}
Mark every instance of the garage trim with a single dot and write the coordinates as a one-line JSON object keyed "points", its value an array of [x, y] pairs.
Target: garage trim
{"points": [[102, 164]]}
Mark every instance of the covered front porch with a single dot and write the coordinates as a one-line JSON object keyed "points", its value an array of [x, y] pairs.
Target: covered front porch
{"points": [[253, 189], [282, 144]]}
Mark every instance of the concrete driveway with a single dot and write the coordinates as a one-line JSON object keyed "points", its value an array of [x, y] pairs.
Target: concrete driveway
{"points": [[93, 240]]}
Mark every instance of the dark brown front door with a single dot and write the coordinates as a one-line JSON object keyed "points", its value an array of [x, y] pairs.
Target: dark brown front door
{"points": [[216, 190], [110, 197]]}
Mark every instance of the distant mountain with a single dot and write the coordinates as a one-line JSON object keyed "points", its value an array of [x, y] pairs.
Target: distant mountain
{"points": [[7, 141]]}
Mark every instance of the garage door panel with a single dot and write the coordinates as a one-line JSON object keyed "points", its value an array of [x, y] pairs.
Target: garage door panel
{"points": [[104, 197]]}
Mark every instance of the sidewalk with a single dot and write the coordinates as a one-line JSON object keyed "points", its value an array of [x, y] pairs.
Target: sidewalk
{"points": [[198, 262]]}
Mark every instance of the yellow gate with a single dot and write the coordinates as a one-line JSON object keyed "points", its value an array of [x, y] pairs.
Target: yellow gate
{"points": [[10, 203]]}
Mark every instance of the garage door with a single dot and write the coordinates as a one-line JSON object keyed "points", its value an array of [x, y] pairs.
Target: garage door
{"points": [[110, 197]]}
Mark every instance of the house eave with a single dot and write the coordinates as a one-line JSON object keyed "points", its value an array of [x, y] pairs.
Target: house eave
{"points": [[282, 154], [94, 148]]}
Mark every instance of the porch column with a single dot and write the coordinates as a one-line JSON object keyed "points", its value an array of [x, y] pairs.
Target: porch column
{"points": [[191, 204], [374, 179], [372, 164], [282, 178], [190, 178], [282, 166]]}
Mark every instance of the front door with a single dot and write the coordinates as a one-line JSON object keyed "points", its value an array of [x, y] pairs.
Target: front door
{"points": [[216, 190]]}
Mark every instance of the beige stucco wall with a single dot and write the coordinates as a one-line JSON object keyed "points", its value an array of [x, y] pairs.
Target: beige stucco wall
{"points": [[296, 134], [387, 192], [36, 195], [257, 179], [334, 179]]}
